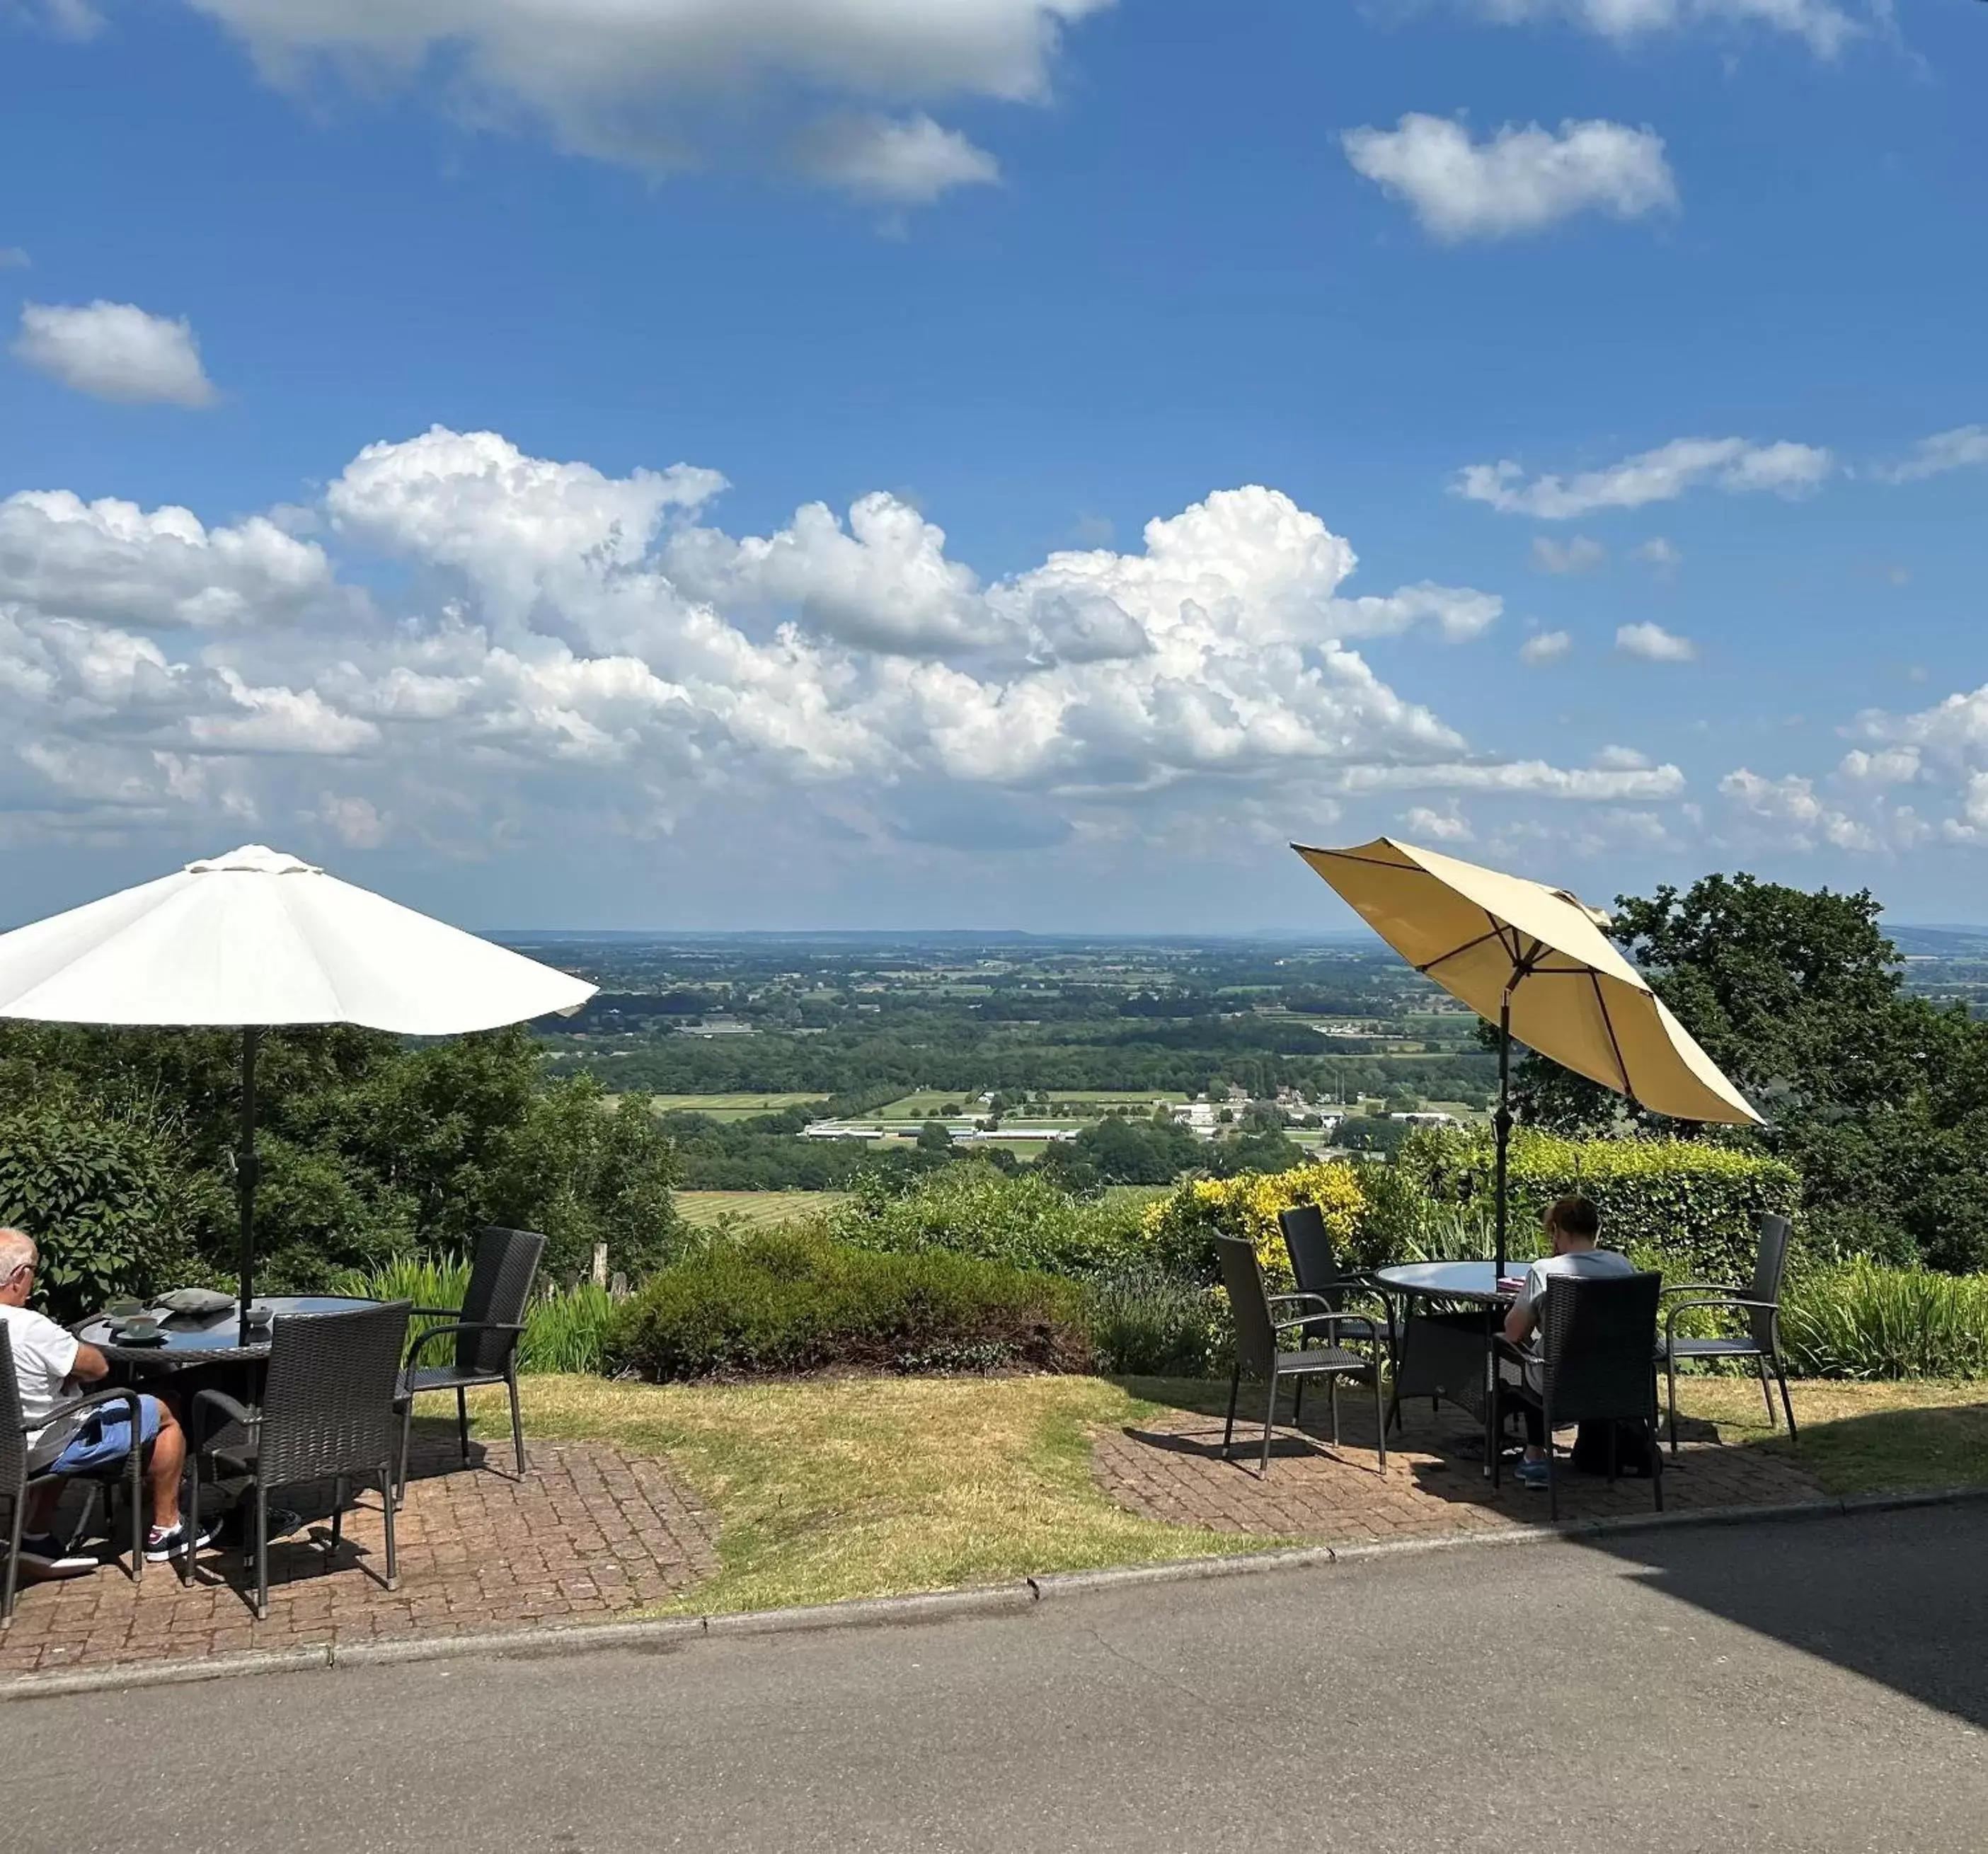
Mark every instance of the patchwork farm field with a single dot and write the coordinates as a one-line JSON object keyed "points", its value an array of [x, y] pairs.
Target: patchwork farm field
{"points": [[731, 1107], [929, 1101], [755, 1210]]}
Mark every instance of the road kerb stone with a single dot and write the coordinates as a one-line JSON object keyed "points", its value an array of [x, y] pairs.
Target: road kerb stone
{"points": [[165, 1673], [870, 1612]]}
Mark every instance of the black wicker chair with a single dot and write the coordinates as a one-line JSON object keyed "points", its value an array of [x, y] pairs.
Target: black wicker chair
{"points": [[1596, 1363], [327, 1414], [17, 1476], [1317, 1270], [1760, 1300], [1258, 1324], [486, 1330]]}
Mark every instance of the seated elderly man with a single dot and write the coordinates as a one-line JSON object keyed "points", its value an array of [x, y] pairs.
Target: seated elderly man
{"points": [[51, 1364]]}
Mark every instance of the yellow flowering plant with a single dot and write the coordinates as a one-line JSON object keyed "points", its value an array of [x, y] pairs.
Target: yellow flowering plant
{"points": [[1179, 1229]]}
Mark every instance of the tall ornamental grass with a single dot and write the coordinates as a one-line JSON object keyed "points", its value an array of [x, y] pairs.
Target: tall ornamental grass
{"points": [[1862, 1320], [566, 1331]]}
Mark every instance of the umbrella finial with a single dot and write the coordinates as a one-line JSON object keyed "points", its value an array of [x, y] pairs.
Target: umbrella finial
{"points": [[254, 859]]}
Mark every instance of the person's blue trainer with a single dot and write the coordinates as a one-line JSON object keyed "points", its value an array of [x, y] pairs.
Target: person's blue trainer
{"points": [[1535, 1474]]}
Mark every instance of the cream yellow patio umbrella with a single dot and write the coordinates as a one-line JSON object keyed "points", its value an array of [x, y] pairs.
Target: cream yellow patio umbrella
{"points": [[1533, 961]]}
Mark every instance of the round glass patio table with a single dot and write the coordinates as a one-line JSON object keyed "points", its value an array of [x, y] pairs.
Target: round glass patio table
{"points": [[1446, 1355], [208, 1338], [1469, 1281]]}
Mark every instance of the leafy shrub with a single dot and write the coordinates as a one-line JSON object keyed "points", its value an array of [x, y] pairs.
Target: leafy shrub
{"points": [[1862, 1320], [1025, 1221], [1180, 1229], [1402, 1221], [1688, 1208], [1145, 1324], [788, 1301], [104, 1197], [564, 1331]]}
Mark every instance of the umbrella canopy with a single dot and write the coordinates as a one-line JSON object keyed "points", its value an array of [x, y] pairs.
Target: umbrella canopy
{"points": [[1534, 961], [257, 938], [1574, 999]]}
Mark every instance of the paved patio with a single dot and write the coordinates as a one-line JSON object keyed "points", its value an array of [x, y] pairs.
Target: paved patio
{"points": [[1170, 1469], [590, 1530]]}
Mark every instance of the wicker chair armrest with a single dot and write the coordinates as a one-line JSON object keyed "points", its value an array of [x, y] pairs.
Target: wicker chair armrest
{"points": [[97, 1399], [1286, 1300], [1697, 1287], [435, 1313], [1716, 1300], [422, 1340], [232, 1407], [1322, 1319]]}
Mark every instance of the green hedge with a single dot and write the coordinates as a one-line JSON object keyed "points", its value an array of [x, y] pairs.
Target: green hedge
{"points": [[1025, 1221], [1862, 1320], [786, 1300], [105, 1197], [1688, 1208]]}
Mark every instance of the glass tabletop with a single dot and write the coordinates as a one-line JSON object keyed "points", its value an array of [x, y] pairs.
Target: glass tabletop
{"points": [[184, 1336], [1451, 1280]]}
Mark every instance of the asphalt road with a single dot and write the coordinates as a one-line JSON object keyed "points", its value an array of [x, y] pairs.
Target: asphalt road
{"points": [[1815, 1687]]}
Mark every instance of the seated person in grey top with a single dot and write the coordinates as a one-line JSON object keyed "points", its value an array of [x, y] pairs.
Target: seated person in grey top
{"points": [[1571, 1226]]}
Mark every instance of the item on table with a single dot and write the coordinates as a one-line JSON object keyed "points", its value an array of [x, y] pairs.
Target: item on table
{"points": [[195, 1300], [259, 1316], [1511, 1284], [137, 1329]]}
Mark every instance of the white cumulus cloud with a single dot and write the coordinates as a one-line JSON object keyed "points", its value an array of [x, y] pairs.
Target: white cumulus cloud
{"points": [[1519, 180], [1965, 447], [1733, 464], [1578, 555], [908, 163], [660, 84], [1545, 646], [497, 648], [1799, 817], [114, 351], [1652, 643], [1826, 26]]}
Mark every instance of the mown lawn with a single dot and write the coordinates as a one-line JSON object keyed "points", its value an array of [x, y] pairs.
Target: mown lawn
{"points": [[755, 1210], [830, 1488]]}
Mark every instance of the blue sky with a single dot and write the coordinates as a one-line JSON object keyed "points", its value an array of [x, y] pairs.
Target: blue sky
{"points": [[1630, 345]]}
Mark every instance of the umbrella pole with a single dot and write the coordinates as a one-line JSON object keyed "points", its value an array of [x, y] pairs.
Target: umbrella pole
{"points": [[248, 1170], [1501, 1122]]}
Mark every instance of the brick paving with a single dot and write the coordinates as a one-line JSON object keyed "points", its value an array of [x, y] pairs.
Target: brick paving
{"points": [[1170, 1469], [590, 1530]]}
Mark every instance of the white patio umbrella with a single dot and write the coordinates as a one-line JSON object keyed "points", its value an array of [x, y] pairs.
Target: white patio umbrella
{"points": [[257, 939]]}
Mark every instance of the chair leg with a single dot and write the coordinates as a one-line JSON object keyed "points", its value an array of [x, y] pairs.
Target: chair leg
{"points": [[1553, 1469], [407, 1430], [517, 1421], [387, 1500], [1614, 1448], [1656, 1464], [337, 1515], [1670, 1375], [1380, 1418], [1332, 1402], [261, 1553], [1234, 1390], [193, 1525], [1297, 1405], [1269, 1423], [1497, 1428], [1787, 1403], [16, 1503], [137, 1497], [1767, 1389], [462, 1423]]}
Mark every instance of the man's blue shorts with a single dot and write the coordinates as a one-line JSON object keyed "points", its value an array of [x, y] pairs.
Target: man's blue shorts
{"points": [[105, 1437]]}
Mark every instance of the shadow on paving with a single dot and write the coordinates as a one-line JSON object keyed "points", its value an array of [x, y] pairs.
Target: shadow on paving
{"points": [[1919, 1626]]}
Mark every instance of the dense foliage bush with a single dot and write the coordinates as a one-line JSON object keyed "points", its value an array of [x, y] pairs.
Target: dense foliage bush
{"points": [[1687, 1207], [104, 1196], [1145, 1324], [790, 1301], [565, 1330], [370, 1148], [1180, 1229], [1859, 1319], [1025, 1220]]}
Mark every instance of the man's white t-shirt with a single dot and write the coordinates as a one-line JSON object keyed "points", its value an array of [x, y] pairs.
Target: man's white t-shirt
{"points": [[44, 1356]]}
